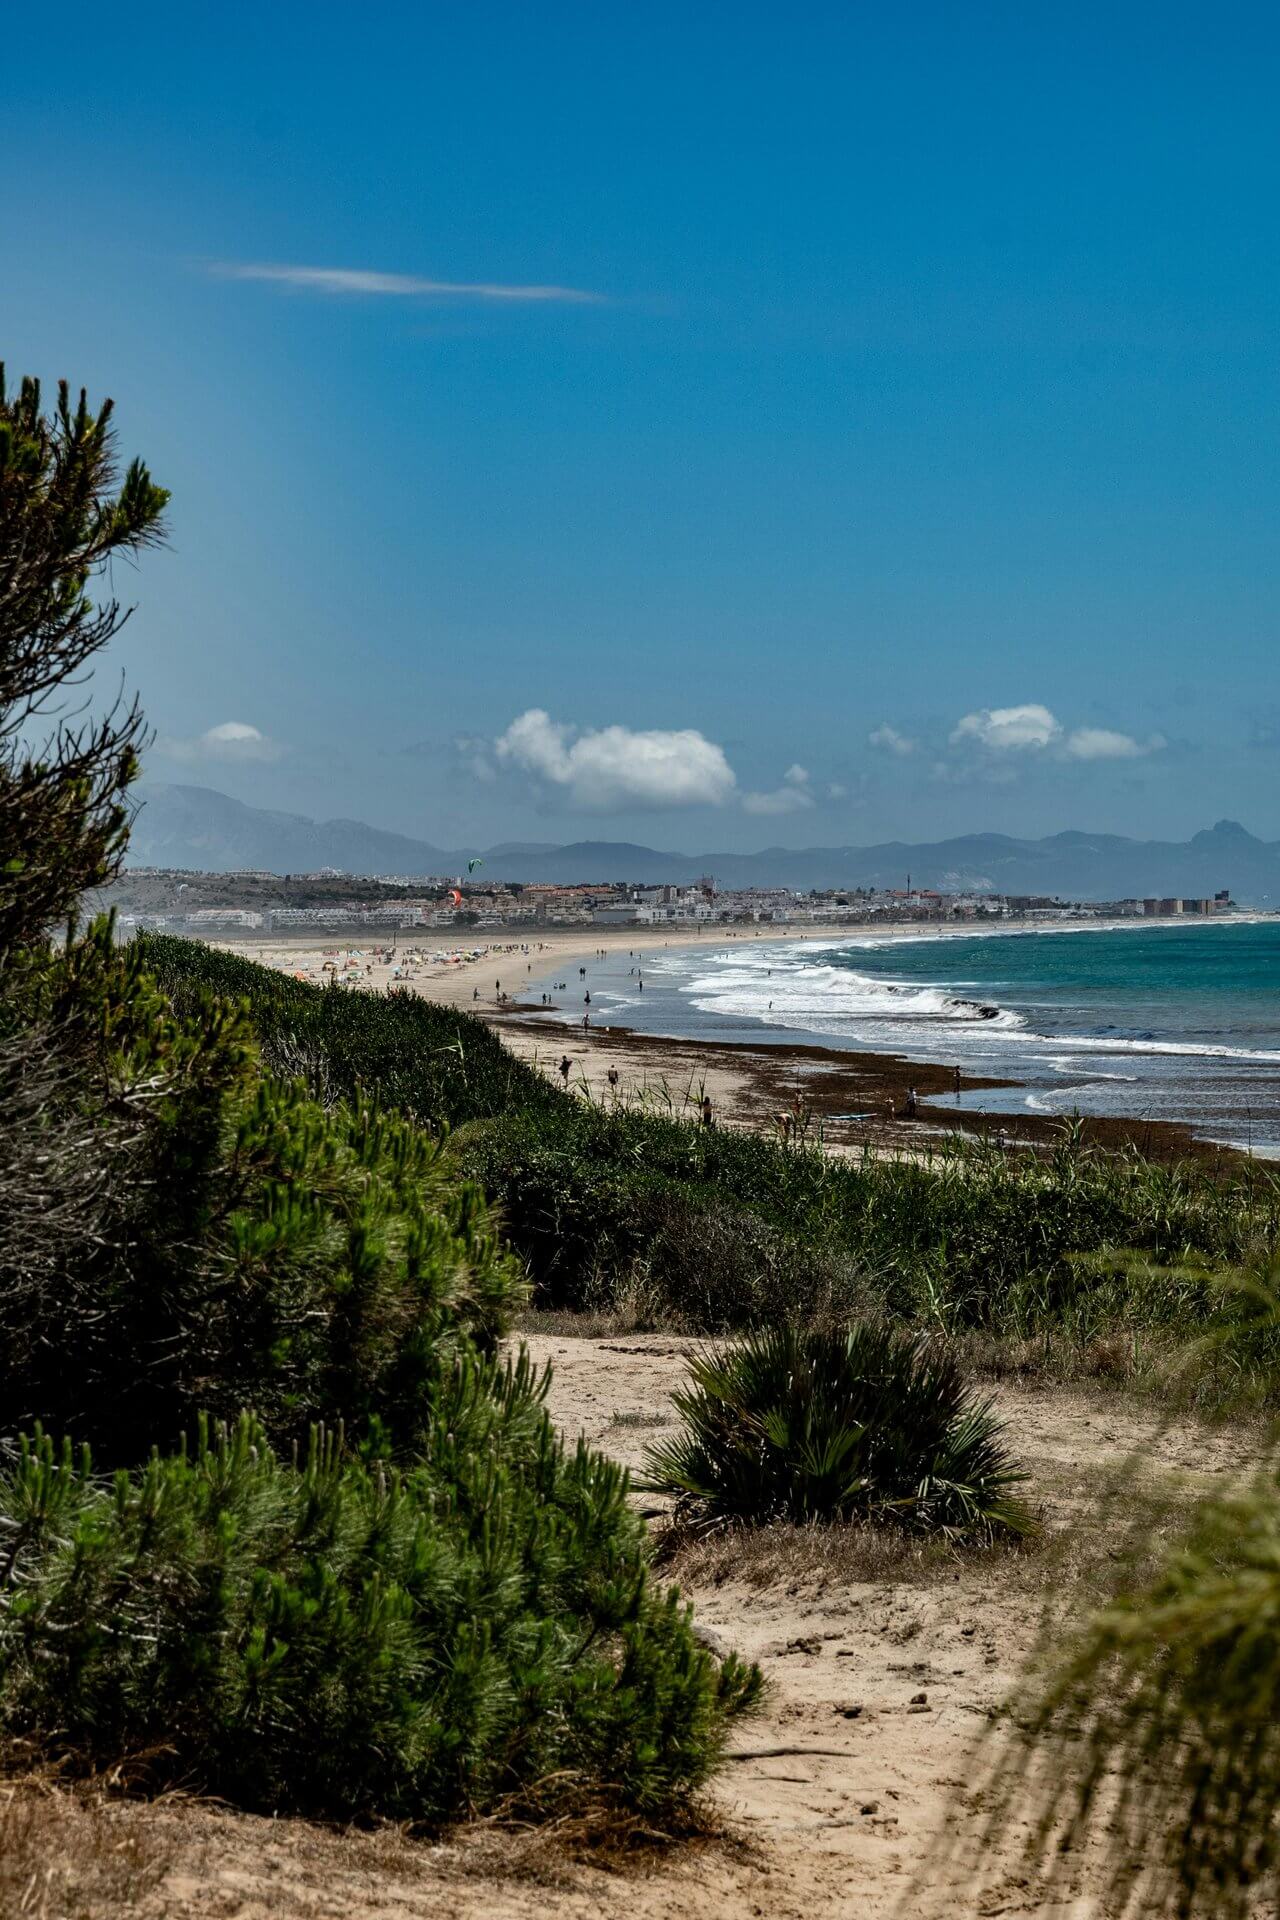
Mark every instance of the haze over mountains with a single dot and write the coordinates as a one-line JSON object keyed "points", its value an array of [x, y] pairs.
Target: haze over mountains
{"points": [[197, 827]]}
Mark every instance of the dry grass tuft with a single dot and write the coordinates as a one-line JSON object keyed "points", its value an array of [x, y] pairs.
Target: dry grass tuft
{"points": [[817, 1556], [76, 1853]]}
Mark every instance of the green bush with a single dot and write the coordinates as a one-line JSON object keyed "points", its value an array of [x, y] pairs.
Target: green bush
{"points": [[973, 1239], [804, 1424], [342, 1638], [591, 1217], [437, 1612], [250, 1248]]}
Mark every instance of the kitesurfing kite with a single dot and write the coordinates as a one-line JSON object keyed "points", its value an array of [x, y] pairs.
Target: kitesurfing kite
{"points": [[473, 864]]}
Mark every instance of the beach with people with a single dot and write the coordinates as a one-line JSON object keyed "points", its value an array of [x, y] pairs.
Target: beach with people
{"points": [[576, 995]]}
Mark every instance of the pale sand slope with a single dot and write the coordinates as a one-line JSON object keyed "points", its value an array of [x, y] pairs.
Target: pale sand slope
{"points": [[830, 1812], [670, 1072]]}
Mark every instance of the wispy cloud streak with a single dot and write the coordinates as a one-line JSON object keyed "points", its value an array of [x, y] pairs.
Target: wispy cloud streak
{"points": [[402, 286]]}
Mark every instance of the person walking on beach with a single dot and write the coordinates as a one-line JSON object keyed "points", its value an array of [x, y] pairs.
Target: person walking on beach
{"points": [[586, 1022], [612, 1078], [957, 1083], [707, 1118], [909, 1104], [566, 1066]]}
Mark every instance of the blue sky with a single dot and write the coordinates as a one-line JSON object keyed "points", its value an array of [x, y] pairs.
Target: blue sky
{"points": [[913, 467]]}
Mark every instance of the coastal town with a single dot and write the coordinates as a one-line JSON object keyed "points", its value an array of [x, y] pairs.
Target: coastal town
{"points": [[256, 904]]}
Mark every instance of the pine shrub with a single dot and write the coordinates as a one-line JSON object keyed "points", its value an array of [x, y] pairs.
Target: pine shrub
{"points": [[866, 1424], [343, 1638], [250, 1249]]}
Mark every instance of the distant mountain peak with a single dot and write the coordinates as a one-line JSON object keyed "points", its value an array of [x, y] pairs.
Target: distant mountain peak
{"points": [[1225, 832]]}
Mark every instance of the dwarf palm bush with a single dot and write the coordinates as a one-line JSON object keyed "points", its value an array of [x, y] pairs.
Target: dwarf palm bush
{"points": [[343, 1638], [802, 1424]]}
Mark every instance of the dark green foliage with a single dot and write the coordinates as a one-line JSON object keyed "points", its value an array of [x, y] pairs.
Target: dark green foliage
{"points": [[596, 1201], [249, 1249], [972, 1239], [64, 512], [802, 1424], [344, 1639], [430, 1063], [446, 1612]]}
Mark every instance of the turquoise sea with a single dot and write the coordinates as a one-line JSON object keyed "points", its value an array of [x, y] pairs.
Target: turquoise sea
{"points": [[1165, 1022]]}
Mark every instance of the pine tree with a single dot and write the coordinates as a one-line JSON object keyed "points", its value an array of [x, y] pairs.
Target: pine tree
{"points": [[64, 513], [438, 1606]]}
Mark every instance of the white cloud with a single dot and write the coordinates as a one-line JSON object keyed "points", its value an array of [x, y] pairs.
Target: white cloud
{"points": [[781, 800], [615, 767], [1008, 729], [891, 741], [1100, 743], [792, 796], [229, 740], [835, 791], [363, 280]]}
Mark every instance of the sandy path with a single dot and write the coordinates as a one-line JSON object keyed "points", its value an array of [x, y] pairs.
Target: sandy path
{"points": [[881, 1685], [882, 1676]]}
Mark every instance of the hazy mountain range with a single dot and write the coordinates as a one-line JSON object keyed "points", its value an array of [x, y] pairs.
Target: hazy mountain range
{"points": [[196, 827]]}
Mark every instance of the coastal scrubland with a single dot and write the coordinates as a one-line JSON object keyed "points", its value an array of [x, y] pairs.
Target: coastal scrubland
{"points": [[1066, 1263], [277, 1519], [1038, 1272], [295, 1521]]}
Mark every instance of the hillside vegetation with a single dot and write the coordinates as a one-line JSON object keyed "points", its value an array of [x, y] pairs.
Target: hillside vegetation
{"points": [[718, 1230], [275, 1519]]}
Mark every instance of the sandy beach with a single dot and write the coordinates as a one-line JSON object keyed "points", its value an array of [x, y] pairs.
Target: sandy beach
{"points": [[851, 1101]]}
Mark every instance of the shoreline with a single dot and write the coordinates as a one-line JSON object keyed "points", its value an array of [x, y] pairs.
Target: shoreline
{"points": [[750, 1083]]}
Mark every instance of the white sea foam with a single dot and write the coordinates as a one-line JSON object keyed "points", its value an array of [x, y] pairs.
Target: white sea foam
{"points": [[798, 990], [1191, 1049], [829, 999]]}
